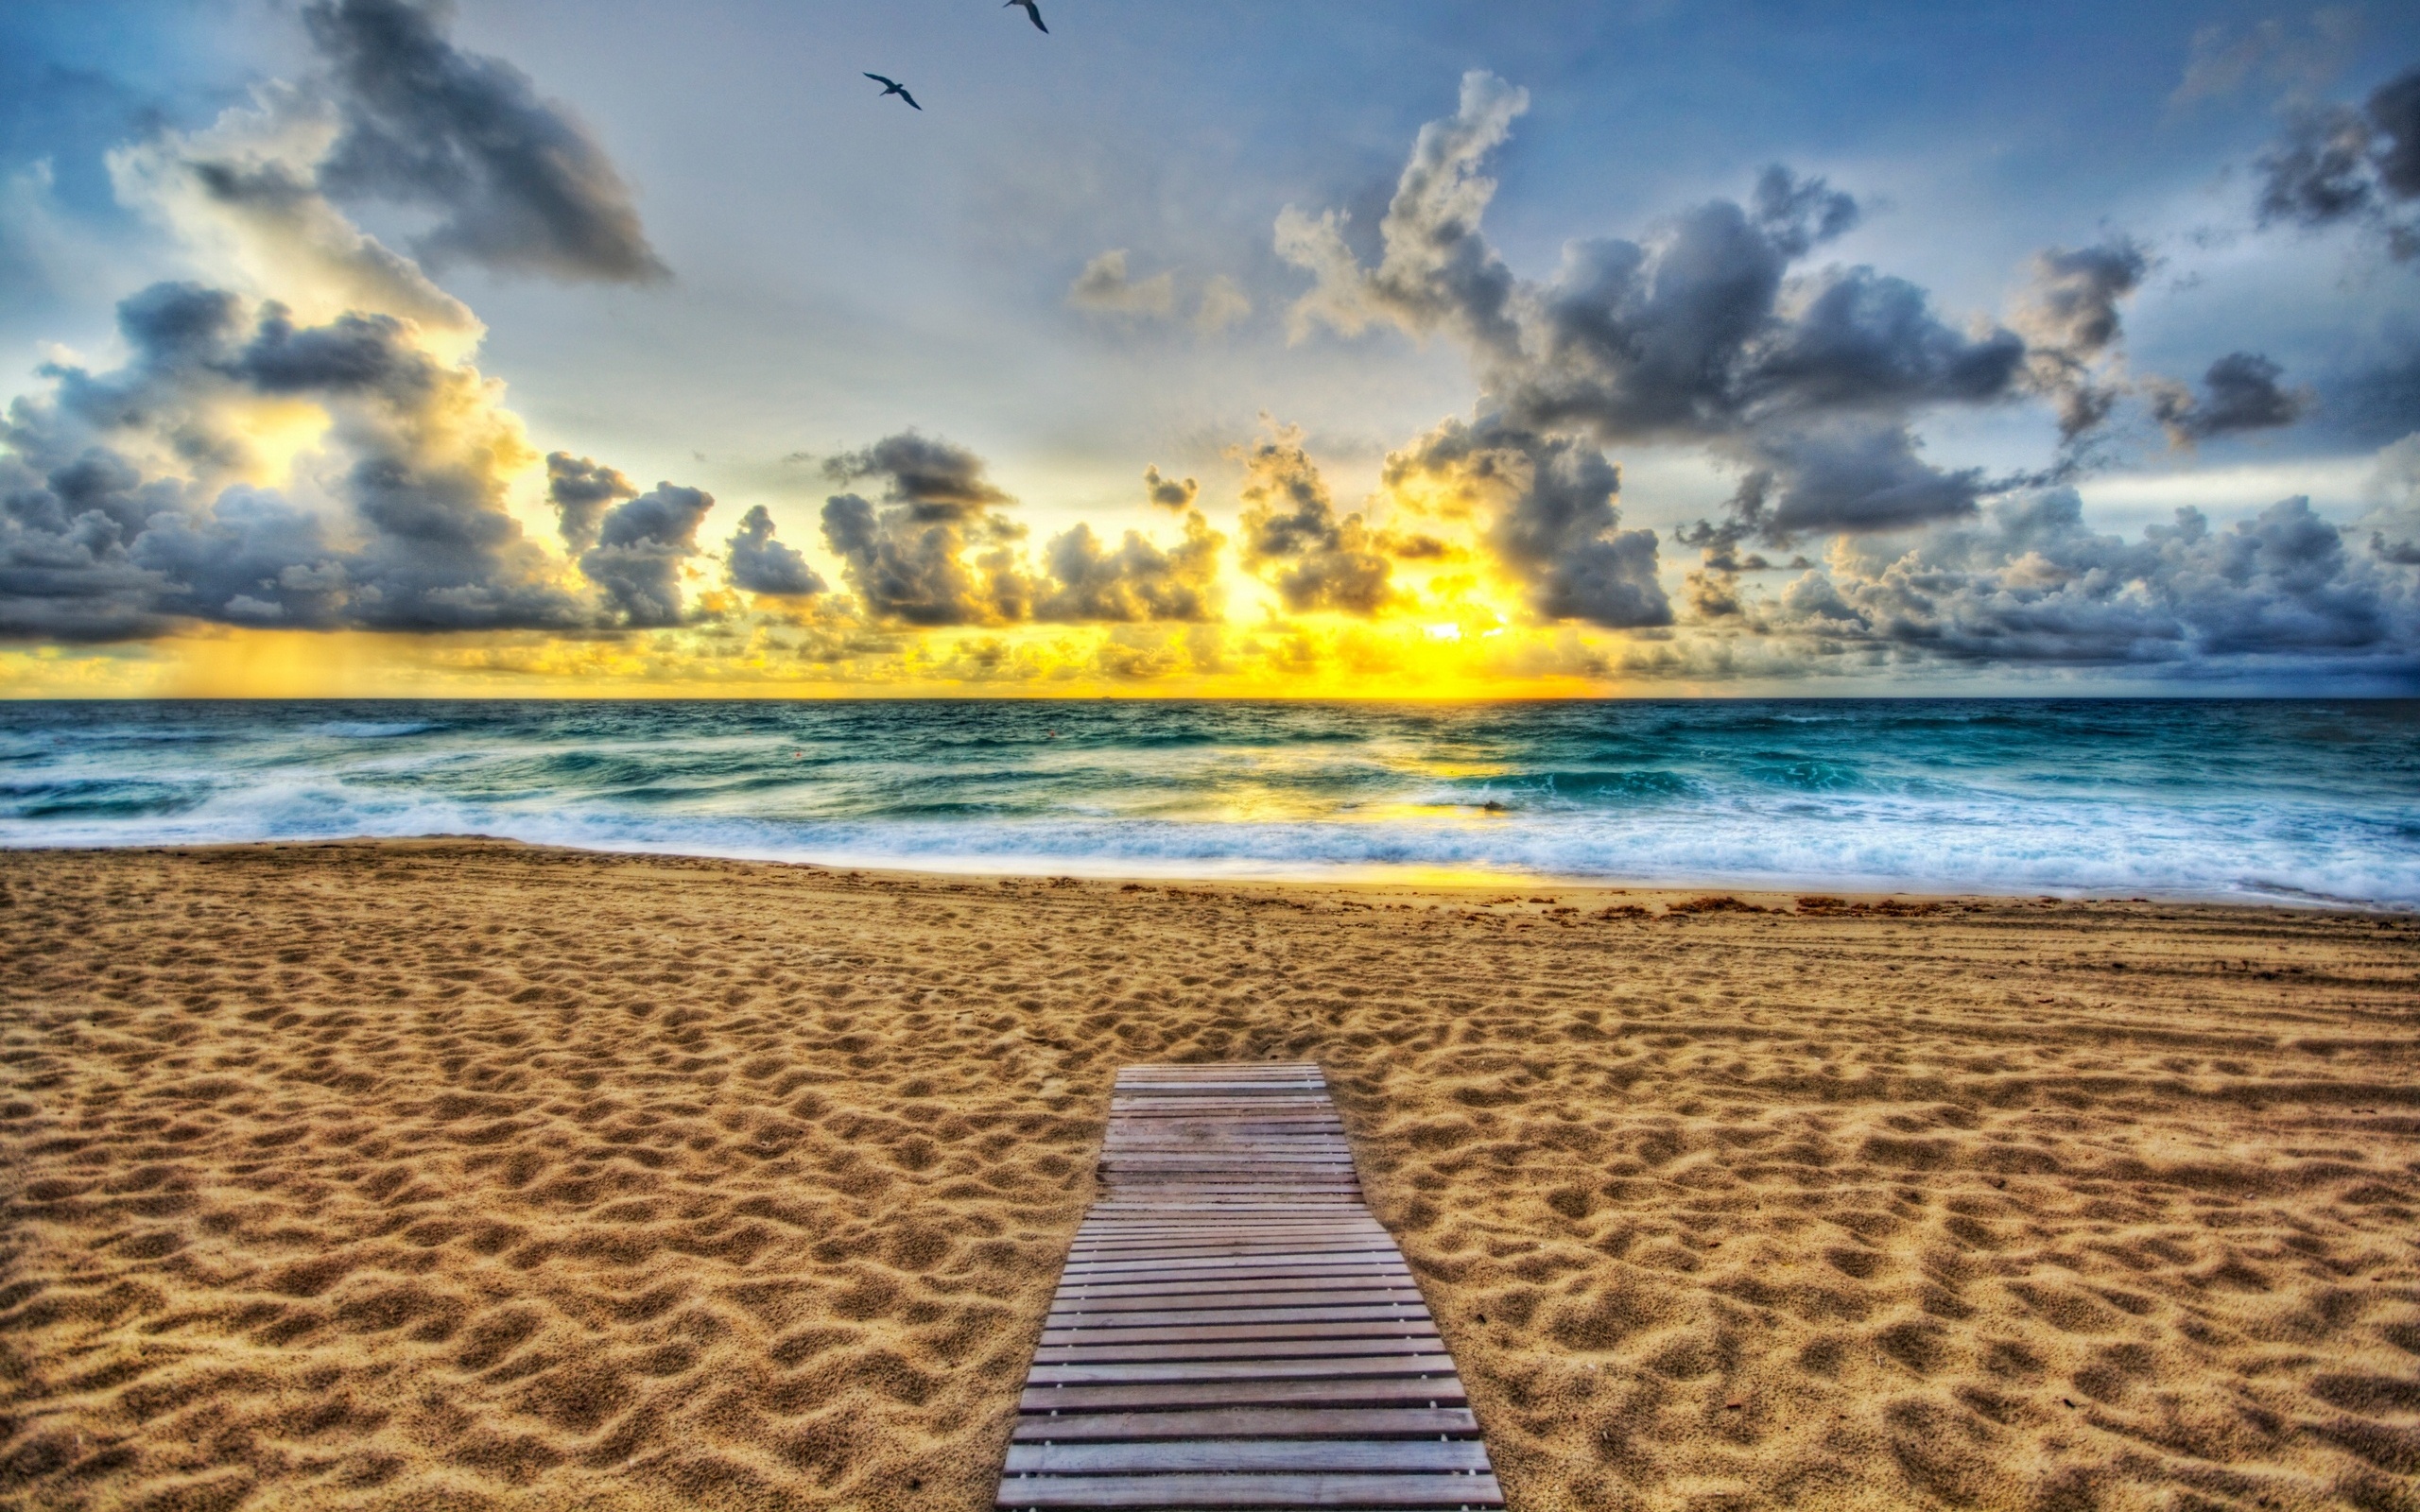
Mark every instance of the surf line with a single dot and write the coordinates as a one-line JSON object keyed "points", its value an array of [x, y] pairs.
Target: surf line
{"points": [[1232, 1328]]}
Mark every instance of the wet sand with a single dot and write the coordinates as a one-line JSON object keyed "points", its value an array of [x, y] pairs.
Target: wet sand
{"points": [[463, 1175]]}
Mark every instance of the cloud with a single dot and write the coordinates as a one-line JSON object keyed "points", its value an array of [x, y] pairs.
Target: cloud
{"points": [[2223, 60], [1801, 214], [1169, 493], [1224, 302], [1136, 582], [641, 544], [2341, 163], [1847, 476], [910, 564], [2392, 524], [1711, 329], [582, 490], [1293, 539], [936, 551], [1105, 288], [2395, 109], [1700, 332], [242, 196], [1698, 335], [2031, 584], [1551, 520], [908, 558], [143, 497], [2070, 320], [303, 439], [760, 564], [519, 184], [1437, 271], [2240, 392], [1836, 477], [932, 478]]}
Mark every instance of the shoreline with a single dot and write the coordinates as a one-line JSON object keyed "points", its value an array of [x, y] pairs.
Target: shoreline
{"points": [[1772, 893], [440, 1172]]}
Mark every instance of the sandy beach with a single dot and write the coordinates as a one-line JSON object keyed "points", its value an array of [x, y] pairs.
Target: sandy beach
{"points": [[470, 1175]]}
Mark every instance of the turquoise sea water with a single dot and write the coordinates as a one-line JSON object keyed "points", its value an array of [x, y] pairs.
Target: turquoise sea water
{"points": [[2300, 800]]}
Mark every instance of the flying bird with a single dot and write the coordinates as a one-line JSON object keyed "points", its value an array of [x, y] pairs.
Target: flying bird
{"points": [[893, 86], [1033, 8]]}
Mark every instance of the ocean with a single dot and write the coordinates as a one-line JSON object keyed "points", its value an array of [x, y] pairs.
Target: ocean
{"points": [[2282, 801]]}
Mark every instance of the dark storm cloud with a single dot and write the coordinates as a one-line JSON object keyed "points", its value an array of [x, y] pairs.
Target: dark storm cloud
{"points": [[1293, 539], [2346, 163], [641, 544], [1551, 520], [582, 490], [99, 541], [2240, 392], [760, 564], [520, 184]]}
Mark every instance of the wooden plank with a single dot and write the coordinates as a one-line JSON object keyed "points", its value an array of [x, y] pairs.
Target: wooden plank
{"points": [[1301, 1328], [1366, 1491], [1143, 1249], [1101, 1294], [1237, 1272], [1237, 1267], [1125, 1209], [1213, 1233], [1319, 1368], [1249, 1423], [1400, 1456], [1254, 1216], [1213, 1255], [1401, 1297], [1378, 1391], [1213, 1229], [1156, 1349], [1177, 1316]]}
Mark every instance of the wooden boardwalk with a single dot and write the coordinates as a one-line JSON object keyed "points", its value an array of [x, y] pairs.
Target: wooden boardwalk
{"points": [[1232, 1328]]}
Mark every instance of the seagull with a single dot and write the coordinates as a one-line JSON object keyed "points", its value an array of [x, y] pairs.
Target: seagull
{"points": [[1032, 8], [893, 86]]}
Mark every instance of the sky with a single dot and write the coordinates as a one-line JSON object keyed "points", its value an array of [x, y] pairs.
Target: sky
{"points": [[527, 348]]}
